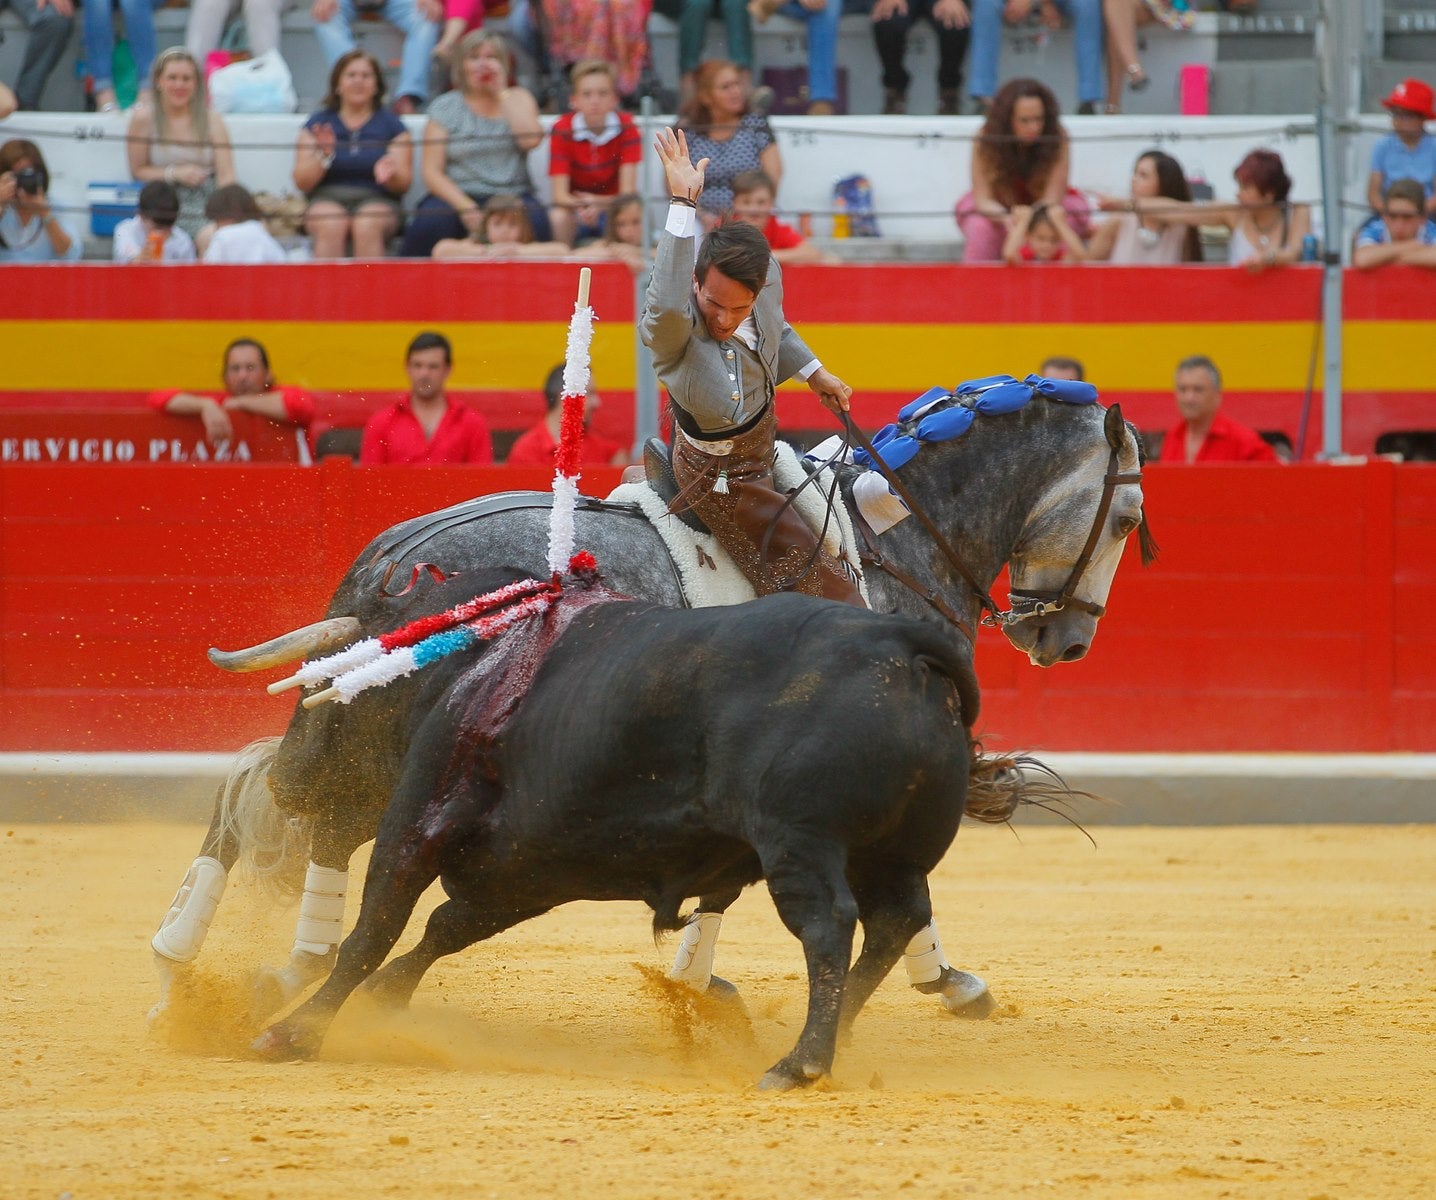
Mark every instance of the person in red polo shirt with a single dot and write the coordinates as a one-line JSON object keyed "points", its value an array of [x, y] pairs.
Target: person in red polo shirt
{"points": [[538, 447], [1204, 435], [248, 387], [593, 154], [426, 427]]}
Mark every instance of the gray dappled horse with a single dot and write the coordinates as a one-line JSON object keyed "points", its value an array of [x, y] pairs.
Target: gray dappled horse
{"points": [[1048, 488]]}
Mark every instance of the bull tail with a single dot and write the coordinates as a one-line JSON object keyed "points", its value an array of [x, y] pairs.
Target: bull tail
{"points": [[273, 846], [999, 784]]}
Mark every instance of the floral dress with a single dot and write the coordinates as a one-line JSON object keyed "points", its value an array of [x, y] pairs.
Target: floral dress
{"points": [[729, 158]]}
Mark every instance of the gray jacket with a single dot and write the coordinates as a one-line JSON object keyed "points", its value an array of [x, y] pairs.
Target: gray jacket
{"points": [[720, 385]]}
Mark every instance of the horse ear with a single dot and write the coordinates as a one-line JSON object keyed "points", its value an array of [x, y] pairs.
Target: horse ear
{"points": [[1114, 427]]}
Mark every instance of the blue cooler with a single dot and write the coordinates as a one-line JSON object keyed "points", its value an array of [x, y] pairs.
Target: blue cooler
{"points": [[111, 203]]}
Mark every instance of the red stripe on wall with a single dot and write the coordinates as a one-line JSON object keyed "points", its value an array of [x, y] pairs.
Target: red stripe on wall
{"points": [[1390, 294]]}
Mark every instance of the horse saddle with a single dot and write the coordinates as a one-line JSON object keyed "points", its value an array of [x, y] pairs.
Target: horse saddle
{"points": [[658, 465]]}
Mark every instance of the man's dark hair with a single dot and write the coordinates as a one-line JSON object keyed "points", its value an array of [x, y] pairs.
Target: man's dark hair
{"points": [[429, 340], [1063, 364], [740, 251], [553, 387], [232, 202], [159, 202], [1200, 362]]}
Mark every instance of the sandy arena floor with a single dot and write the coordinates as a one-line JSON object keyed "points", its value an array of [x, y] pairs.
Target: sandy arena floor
{"points": [[1243, 1012]]}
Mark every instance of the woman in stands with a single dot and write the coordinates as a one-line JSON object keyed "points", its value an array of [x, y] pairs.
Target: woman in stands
{"points": [[1020, 157], [1149, 237], [354, 160], [476, 145], [29, 231], [98, 37], [722, 127], [1266, 228], [181, 141]]}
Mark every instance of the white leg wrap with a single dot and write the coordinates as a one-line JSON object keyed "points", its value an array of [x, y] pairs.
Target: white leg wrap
{"points": [[693, 963], [923, 957], [182, 932], [321, 912]]}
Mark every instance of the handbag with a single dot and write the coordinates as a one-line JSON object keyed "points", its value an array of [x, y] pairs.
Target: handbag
{"points": [[261, 84]]}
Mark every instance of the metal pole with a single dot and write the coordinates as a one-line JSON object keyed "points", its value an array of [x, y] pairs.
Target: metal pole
{"points": [[1332, 87], [645, 387]]}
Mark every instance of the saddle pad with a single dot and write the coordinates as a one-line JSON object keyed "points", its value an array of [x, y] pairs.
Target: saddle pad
{"points": [[707, 572]]}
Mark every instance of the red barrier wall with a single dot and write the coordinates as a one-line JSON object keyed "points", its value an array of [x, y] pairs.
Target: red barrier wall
{"points": [[1290, 609]]}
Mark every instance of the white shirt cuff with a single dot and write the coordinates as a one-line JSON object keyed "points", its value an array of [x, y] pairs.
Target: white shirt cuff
{"points": [[682, 220], [808, 368]]}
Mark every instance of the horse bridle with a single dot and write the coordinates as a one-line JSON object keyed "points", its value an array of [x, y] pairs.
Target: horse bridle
{"points": [[1027, 605]]}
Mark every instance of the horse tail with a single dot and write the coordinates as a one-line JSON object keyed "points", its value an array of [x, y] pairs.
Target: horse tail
{"points": [[273, 846], [999, 784]]}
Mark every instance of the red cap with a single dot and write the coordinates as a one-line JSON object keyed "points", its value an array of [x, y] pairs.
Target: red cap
{"points": [[1411, 95]]}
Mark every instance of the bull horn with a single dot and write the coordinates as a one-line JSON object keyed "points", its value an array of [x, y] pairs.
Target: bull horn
{"points": [[299, 643]]}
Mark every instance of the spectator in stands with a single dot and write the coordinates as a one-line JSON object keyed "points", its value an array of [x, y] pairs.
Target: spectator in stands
{"points": [[99, 38], [417, 20], [476, 144], [1124, 63], [208, 19], [29, 231], [1019, 157], [248, 387], [623, 240], [987, 19], [180, 140], [692, 17], [1408, 151], [461, 17], [753, 197], [47, 29], [354, 160], [505, 232], [239, 235], [538, 447], [1402, 233], [892, 19], [593, 154], [615, 30], [722, 127], [150, 235], [1204, 435], [1058, 366], [821, 18], [1041, 234], [1133, 238], [426, 426], [1267, 229]]}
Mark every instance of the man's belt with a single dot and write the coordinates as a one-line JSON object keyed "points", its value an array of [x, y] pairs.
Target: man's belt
{"points": [[684, 420]]}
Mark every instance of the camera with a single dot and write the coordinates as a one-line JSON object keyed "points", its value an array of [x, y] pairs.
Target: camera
{"points": [[30, 181]]}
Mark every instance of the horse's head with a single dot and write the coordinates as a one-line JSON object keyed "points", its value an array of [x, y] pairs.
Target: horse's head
{"points": [[1066, 556]]}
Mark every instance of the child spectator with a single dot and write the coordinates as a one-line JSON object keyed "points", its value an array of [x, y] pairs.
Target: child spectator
{"points": [[623, 242], [240, 235], [248, 387], [753, 197], [29, 231], [150, 235], [1402, 233], [504, 232], [1041, 234], [1408, 151], [593, 153]]}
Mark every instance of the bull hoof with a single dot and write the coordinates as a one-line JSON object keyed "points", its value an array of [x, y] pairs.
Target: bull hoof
{"points": [[786, 1076], [965, 995], [284, 1043]]}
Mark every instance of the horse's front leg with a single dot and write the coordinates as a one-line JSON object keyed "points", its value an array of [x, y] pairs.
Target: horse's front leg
{"points": [[693, 960], [962, 993]]}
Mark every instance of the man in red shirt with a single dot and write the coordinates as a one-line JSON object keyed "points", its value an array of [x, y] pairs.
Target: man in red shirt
{"points": [[538, 447], [248, 387], [1204, 434], [426, 427], [593, 153]]}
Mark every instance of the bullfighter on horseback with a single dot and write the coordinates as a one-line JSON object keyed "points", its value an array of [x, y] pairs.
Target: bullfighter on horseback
{"points": [[713, 319]]}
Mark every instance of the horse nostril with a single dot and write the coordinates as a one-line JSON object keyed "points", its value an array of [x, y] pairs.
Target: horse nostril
{"points": [[1073, 653]]}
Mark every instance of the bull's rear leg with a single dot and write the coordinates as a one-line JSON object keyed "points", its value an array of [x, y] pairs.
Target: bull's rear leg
{"points": [[453, 926], [398, 875], [894, 907], [813, 900]]}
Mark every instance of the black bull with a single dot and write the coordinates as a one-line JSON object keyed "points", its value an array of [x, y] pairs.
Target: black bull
{"points": [[657, 755]]}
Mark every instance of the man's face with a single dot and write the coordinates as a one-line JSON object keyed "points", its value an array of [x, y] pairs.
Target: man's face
{"points": [[1197, 395], [428, 371], [754, 208], [1403, 220], [244, 372], [723, 303]]}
